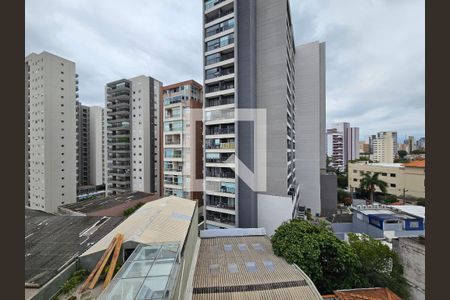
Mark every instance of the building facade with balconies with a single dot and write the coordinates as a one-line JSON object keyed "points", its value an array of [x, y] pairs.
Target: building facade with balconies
{"points": [[50, 140], [182, 140], [249, 63], [133, 110]]}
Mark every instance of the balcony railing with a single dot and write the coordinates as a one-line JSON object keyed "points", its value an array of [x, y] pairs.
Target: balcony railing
{"points": [[218, 28], [218, 14], [219, 87], [215, 58], [220, 146], [211, 3], [220, 42], [221, 218]]}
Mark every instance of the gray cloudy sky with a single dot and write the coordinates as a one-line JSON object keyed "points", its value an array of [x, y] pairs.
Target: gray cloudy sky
{"points": [[375, 50]]}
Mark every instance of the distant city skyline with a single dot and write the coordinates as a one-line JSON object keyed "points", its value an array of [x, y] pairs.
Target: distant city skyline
{"points": [[375, 51]]}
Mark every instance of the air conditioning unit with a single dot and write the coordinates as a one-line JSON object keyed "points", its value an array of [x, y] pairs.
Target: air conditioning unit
{"points": [[364, 206], [369, 206], [358, 206]]}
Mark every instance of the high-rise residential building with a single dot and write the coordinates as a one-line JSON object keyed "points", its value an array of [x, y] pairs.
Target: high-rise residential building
{"points": [[134, 135], [371, 139], [83, 144], [411, 145], [385, 147], [249, 63], [50, 143], [335, 148], [420, 144], [97, 146], [183, 140], [342, 144], [363, 147]]}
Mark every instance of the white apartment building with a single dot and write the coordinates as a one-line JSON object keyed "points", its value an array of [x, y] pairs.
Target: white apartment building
{"points": [[385, 147], [342, 144], [50, 143], [134, 135]]}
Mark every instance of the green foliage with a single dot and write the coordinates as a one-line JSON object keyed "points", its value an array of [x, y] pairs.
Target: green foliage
{"points": [[342, 181], [76, 278], [402, 153], [378, 265], [417, 152], [333, 264], [370, 182], [421, 201], [342, 195], [127, 212], [329, 262], [388, 199]]}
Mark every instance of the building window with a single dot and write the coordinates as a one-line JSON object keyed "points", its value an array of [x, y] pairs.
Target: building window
{"points": [[393, 175], [393, 185], [383, 174]]}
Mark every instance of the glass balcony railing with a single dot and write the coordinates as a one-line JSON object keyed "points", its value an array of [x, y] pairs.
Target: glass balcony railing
{"points": [[220, 42]]}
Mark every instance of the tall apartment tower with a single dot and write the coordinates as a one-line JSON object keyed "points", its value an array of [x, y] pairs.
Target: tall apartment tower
{"points": [[97, 145], [411, 145], [50, 142], [134, 135], [83, 144], [385, 147], [249, 62], [183, 140], [342, 144]]}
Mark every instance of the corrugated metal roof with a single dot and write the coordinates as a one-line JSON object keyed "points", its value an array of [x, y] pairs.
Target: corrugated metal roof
{"points": [[245, 267], [160, 221], [415, 210]]}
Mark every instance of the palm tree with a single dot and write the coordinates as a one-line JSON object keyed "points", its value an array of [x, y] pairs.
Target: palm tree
{"points": [[369, 183]]}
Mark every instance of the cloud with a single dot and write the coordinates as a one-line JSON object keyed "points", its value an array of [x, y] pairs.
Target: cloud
{"points": [[375, 60], [375, 50]]}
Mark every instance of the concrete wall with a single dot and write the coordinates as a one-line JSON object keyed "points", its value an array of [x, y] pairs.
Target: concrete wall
{"points": [[412, 255], [310, 122], [273, 211], [97, 159], [328, 194]]}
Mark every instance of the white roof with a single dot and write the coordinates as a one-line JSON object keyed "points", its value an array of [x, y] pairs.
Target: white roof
{"points": [[159, 221], [415, 210]]}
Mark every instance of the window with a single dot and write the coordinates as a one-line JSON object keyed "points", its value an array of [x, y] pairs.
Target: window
{"points": [[393, 185], [393, 175], [257, 247], [228, 247], [383, 174], [355, 180]]}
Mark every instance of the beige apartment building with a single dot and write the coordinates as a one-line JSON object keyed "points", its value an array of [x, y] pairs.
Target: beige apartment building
{"points": [[408, 178]]}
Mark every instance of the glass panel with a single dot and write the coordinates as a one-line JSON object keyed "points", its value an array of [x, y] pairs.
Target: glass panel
{"points": [[257, 247], [148, 252], [138, 269], [242, 247], [161, 269], [228, 247], [153, 288], [126, 289], [232, 268], [269, 265], [251, 266], [214, 269], [167, 253]]}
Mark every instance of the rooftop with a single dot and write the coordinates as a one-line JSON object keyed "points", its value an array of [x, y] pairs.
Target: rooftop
{"points": [[53, 242], [386, 165], [160, 221], [415, 210], [415, 164], [89, 206], [245, 267]]}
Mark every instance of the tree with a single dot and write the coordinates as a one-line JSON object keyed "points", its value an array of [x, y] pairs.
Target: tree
{"points": [[417, 152], [369, 183], [402, 154], [330, 263], [378, 265]]}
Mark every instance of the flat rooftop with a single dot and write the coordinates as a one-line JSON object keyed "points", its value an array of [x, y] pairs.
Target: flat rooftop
{"points": [[387, 165], [53, 242], [161, 221], [245, 267], [88, 206]]}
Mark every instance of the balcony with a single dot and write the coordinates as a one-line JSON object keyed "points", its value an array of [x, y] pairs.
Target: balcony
{"points": [[220, 27], [211, 3], [220, 202], [220, 146], [219, 172], [220, 42], [219, 129], [222, 218], [220, 158], [218, 57], [220, 13], [216, 89], [217, 115]]}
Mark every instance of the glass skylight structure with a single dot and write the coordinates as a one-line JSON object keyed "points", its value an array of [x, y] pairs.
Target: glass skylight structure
{"points": [[149, 273]]}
